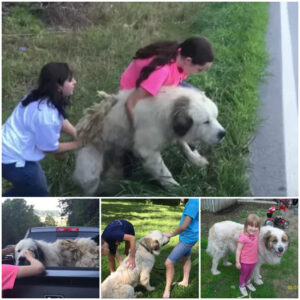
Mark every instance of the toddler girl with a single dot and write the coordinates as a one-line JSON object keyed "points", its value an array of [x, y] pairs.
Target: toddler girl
{"points": [[247, 252]]}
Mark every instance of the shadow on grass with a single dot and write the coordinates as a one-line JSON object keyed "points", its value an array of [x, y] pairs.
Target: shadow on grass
{"points": [[146, 218]]}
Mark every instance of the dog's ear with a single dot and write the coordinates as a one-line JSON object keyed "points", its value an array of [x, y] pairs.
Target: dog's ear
{"points": [[155, 245], [266, 238], [39, 254], [147, 242], [181, 121], [286, 238]]}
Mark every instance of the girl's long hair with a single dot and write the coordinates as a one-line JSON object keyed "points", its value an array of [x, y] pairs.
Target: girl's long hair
{"points": [[52, 76], [197, 48]]}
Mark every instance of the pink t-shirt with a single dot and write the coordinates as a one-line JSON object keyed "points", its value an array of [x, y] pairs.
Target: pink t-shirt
{"points": [[249, 253], [165, 75], [9, 275]]}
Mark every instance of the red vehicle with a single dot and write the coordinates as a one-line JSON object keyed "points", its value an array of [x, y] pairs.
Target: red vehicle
{"points": [[276, 220]]}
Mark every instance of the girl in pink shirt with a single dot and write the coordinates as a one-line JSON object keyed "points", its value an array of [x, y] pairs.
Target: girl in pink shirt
{"points": [[164, 63], [247, 252], [11, 272]]}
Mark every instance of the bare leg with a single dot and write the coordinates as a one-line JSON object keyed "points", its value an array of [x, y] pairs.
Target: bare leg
{"points": [[186, 271], [169, 277]]}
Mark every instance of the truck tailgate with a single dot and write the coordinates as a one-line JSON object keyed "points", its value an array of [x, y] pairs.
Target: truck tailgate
{"points": [[58, 283]]}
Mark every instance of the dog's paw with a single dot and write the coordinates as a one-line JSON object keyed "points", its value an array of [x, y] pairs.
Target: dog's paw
{"points": [[227, 263], [258, 281], [198, 159], [215, 272], [170, 184], [150, 288]]}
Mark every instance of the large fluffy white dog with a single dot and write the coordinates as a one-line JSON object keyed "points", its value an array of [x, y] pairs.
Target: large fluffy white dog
{"points": [[82, 252], [222, 239], [176, 114], [121, 284]]}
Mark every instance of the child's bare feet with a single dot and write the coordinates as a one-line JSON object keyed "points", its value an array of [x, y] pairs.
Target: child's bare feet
{"points": [[166, 294], [181, 283]]}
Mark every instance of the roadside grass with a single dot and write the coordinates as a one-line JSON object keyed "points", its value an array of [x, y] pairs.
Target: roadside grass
{"points": [[280, 281], [145, 218], [99, 53]]}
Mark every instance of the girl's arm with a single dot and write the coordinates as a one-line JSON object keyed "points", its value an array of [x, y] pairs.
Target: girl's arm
{"points": [[133, 99], [131, 239], [186, 222], [66, 146], [238, 255], [35, 267], [68, 128]]}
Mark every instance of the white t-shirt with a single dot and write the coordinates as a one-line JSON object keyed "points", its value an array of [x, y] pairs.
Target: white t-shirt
{"points": [[29, 132]]}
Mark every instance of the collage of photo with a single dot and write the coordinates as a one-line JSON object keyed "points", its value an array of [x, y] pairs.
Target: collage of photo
{"points": [[150, 248], [165, 132]]}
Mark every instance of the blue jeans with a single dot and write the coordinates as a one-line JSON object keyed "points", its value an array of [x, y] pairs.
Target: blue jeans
{"points": [[180, 250], [29, 181]]}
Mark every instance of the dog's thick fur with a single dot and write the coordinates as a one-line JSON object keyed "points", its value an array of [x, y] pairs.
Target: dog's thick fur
{"points": [[121, 284], [82, 252], [176, 114], [222, 239]]}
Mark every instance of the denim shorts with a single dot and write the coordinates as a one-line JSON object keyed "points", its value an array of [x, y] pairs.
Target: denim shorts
{"points": [[180, 250]]}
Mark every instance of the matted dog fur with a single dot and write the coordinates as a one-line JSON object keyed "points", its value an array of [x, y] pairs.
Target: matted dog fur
{"points": [[121, 283], [222, 239], [176, 115], [82, 252]]}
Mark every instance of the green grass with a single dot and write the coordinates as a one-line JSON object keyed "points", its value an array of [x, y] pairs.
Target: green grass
{"points": [[280, 281], [145, 218], [100, 52]]}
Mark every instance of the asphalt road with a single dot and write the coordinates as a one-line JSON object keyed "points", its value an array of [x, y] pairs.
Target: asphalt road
{"points": [[273, 167]]}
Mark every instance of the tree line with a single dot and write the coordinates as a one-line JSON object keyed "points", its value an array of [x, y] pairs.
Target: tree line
{"points": [[17, 217]]}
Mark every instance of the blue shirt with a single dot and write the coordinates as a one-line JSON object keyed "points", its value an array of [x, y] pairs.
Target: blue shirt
{"points": [[114, 232], [191, 234]]}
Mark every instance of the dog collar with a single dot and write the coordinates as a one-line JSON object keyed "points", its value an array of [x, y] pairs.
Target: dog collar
{"points": [[149, 250]]}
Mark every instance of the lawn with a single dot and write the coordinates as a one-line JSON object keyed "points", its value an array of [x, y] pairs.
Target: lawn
{"points": [[98, 40], [280, 281], [145, 218]]}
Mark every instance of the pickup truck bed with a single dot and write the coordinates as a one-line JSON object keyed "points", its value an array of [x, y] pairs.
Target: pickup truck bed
{"points": [[57, 282]]}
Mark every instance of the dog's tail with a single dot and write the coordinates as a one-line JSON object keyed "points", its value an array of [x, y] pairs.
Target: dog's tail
{"points": [[90, 126], [210, 248]]}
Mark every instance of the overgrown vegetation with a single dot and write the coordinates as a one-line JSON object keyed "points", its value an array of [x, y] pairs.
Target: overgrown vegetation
{"points": [[100, 45]]}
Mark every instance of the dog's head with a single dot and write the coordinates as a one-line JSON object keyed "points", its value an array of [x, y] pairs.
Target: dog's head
{"points": [[194, 117], [275, 240], [153, 241], [28, 244]]}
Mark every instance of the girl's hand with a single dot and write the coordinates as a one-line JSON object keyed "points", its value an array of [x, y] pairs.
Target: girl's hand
{"points": [[168, 234], [238, 265]]}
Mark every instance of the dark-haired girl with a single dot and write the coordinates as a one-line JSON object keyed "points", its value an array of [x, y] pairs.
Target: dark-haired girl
{"points": [[34, 128], [164, 64]]}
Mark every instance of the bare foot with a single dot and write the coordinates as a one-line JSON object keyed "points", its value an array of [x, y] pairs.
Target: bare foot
{"points": [[181, 283], [166, 294]]}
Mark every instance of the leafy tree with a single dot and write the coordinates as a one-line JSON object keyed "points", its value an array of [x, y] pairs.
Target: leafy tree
{"points": [[49, 221], [17, 217], [81, 212]]}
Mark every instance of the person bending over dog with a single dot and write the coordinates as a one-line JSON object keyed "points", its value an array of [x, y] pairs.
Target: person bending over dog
{"points": [[188, 231], [115, 233], [165, 63]]}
